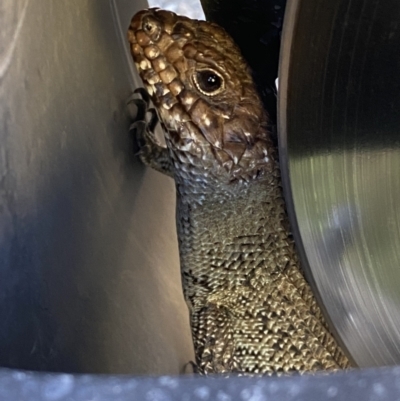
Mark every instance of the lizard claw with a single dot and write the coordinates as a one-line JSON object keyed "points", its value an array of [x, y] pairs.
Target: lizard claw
{"points": [[143, 94], [137, 108], [191, 368], [144, 121], [143, 134], [152, 119]]}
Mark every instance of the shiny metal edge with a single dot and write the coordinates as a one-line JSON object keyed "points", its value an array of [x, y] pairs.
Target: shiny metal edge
{"points": [[339, 123], [290, 21]]}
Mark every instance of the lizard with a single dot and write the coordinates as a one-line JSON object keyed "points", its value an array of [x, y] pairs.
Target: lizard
{"points": [[251, 309]]}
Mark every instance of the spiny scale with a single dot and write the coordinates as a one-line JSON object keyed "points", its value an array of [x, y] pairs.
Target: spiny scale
{"points": [[252, 311]]}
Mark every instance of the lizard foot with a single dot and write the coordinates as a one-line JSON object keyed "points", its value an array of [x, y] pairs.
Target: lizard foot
{"points": [[191, 368], [144, 123]]}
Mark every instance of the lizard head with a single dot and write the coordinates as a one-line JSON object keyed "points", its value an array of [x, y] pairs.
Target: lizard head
{"points": [[205, 96]]}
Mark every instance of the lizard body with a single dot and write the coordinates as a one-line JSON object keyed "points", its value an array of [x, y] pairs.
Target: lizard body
{"points": [[251, 310]]}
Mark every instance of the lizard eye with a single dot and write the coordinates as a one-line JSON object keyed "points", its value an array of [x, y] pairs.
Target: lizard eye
{"points": [[208, 82]]}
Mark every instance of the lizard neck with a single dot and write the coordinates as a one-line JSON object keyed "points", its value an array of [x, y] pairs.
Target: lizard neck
{"points": [[230, 235], [242, 279]]}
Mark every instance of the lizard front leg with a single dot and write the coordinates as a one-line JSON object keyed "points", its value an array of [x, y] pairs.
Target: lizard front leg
{"points": [[145, 119]]}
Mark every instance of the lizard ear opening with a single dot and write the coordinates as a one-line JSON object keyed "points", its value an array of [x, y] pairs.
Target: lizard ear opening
{"points": [[208, 82]]}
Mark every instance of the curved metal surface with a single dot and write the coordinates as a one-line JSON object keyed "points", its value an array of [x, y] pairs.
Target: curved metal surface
{"points": [[339, 125], [89, 270]]}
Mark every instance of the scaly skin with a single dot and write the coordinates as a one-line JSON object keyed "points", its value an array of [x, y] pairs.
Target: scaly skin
{"points": [[251, 309]]}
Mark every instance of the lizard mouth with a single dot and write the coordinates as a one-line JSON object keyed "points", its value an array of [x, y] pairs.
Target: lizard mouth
{"points": [[203, 94]]}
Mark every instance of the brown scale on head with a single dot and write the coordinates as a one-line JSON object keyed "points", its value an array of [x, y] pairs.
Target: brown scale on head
{"points": [[204, 93]]}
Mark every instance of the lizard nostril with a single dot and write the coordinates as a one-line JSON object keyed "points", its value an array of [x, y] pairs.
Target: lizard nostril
{"points": [[151, 27], [148, 27]]}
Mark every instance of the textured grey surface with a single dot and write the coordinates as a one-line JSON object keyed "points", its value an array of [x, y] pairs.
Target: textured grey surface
{"points": [[89, 272], [369, 385]]}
